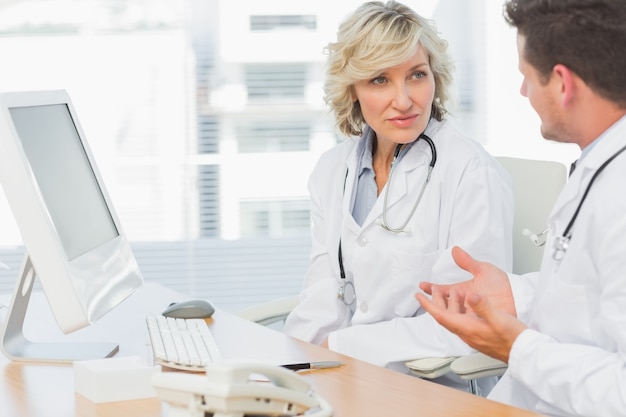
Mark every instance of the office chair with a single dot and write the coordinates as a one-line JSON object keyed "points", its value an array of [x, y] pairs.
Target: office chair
{"points": [[270, 312], [536, 185]]}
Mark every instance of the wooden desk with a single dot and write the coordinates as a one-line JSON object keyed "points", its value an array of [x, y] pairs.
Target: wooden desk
{"points": [[357, 389]]}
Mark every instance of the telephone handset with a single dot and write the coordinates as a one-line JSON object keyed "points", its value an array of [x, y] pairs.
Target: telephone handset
{"points": [[239, 389]]}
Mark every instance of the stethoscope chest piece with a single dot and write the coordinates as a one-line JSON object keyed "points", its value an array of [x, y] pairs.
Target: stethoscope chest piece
{"points": [[560, 246], [346, 292]]}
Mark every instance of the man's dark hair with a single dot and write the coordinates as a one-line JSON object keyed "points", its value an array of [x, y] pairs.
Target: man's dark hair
{"points": [[587, 36]]}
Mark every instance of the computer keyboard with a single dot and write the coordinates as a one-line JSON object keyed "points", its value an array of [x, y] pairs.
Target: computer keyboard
{"points": [[185, 344]]}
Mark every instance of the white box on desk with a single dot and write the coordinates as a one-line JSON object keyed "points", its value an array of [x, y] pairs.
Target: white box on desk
{"points": [[114, 379]]}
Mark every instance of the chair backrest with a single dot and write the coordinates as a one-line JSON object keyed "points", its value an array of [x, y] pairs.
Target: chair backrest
{"points": [[536, 185]]}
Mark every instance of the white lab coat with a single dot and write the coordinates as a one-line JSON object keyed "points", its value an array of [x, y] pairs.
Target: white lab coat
{"points": [[468, 202], [572, 361]]}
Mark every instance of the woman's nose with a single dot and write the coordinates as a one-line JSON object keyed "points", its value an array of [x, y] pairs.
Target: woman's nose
{"points": [[402, 98]]}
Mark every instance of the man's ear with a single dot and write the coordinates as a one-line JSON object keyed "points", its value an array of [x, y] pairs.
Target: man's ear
{"points": [[567, 83]]}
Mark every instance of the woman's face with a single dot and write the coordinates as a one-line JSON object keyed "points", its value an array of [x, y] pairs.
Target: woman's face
{"points": [[397, 103]]}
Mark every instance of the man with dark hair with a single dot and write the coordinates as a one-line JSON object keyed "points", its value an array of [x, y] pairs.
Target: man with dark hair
{"points": [[561, 330]]}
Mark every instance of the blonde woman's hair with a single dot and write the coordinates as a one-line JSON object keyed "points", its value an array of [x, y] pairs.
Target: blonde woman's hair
{"points": [[375, 37]]}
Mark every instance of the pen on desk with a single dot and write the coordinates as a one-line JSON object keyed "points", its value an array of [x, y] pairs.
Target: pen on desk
{"points": [[312, 365]]}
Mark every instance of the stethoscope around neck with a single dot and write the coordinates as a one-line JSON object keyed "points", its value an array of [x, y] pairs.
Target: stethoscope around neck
{"points": [[345, 291], [433, 160], [561, 243]]}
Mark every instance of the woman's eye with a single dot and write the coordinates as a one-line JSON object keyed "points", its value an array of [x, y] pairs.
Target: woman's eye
{"points": [[419, 74], [379, 80]]}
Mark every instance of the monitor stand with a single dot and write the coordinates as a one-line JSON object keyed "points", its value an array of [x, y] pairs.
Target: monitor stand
{"points": [[17, 347]]}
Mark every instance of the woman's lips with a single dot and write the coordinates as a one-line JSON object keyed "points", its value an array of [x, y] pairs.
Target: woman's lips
{"points": [[403, 121]]}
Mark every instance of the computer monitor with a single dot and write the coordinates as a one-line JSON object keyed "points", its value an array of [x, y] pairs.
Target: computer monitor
{"points": [[74, 243]]}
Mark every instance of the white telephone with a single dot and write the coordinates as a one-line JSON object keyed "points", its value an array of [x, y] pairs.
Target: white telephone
{"points": [[238, 389]]}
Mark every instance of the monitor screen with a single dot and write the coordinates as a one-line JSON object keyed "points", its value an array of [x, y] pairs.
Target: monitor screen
{"points": [[64, 176], [74, 243]]}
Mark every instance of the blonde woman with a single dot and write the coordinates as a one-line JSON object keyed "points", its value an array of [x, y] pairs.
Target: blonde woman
{"points": [[390, 203]]}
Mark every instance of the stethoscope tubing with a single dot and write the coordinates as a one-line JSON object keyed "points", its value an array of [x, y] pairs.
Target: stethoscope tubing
{"points": [[561, 243], [341, 291], [582, 200], [433, 160]]}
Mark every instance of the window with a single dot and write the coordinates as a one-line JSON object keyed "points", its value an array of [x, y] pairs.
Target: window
{"points": [[272, 22], [274, 218], [205, 139], [275, 82], [274, 136], [208, 199], [208, 133]]}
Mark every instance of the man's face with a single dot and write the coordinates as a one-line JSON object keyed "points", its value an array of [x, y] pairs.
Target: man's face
{"points": [[543, 96]]}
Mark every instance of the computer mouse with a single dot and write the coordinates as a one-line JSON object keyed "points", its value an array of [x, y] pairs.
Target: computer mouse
{"points": [[190, 309]]}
